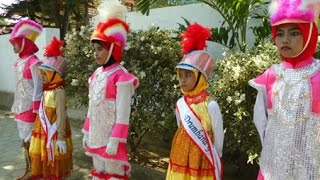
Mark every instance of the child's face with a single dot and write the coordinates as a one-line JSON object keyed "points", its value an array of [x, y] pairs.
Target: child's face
{"points": [[100, 54], [16, 48], [187, 80], [45, 76], [289, 40]]}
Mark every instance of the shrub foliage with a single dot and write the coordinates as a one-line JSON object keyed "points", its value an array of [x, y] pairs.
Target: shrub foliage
{"points": [[81, 64], [236, 99], [152, 56]]}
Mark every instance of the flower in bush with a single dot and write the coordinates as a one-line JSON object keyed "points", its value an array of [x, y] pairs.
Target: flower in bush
{"points": [[74, 82]]}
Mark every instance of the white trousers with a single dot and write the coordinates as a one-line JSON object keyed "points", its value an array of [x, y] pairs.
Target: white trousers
{"points": [[107, 167], [25, 130]]}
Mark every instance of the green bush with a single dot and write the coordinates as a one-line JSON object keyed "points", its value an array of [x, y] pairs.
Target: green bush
{"points": [[81, 64], [152, 56], [236, 100]]}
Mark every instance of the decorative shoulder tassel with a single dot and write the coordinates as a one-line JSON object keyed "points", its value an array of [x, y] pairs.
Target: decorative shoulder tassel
{"points": [[194, 38], [54, 48]]}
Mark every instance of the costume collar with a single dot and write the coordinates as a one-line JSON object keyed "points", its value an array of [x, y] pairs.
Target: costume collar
{"points": [[300, 64], [53, 86], [196, 99]]}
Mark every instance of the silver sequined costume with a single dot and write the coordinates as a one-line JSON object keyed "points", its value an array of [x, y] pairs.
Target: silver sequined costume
{"points": [[290, 127]]}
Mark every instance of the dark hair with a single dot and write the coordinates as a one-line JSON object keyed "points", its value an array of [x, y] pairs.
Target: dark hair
{"points": [[96, 41], [110, 62]]}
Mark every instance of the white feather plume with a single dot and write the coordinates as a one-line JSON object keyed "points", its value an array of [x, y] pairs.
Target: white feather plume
{"points": [[273, 7], [111, 9], [310, 4]]}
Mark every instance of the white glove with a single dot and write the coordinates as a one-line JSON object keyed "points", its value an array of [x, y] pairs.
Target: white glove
{"points": [[85, 140], [112, 147], [62, 146]]}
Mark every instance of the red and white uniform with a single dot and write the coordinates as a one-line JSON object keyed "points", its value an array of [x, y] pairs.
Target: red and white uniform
{"points": [[110, 91], [27, 95]]}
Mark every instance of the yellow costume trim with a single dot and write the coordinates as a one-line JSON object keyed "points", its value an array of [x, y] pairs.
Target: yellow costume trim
{"points": [[49, 99]]}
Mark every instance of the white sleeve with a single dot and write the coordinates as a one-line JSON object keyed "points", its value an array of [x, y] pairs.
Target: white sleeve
{"points": [[37, 82], [123, 98], [260, 109], [123, 109], [217, 126]]}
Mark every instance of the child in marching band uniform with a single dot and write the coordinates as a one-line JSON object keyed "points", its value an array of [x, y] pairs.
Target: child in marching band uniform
{"points": [[51, 144], [110, 89], [28, 86], [287, 109], [197, 145]]}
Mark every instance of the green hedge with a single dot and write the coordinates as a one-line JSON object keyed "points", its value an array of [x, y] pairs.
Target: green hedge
{"points": [[236, 99], [152, 56]]}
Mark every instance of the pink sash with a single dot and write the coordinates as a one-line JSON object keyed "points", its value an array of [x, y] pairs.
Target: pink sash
{"points": [[192, 125]]}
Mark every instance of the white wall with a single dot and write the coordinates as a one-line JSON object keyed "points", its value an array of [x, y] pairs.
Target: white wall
{"points": [[8, 57], [169, 17]]}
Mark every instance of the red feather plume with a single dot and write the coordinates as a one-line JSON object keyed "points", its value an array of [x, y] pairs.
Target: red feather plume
{"points": [[194, 38], [54, 48]]}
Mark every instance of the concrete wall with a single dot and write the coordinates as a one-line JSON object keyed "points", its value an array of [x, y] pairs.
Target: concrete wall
{"points": [[169, 17], [8, 57]]}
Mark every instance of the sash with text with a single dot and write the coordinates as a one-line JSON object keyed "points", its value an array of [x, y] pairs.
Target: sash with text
{"points": [[192, 125]]}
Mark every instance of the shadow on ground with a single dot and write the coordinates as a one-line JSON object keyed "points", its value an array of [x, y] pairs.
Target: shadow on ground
{"points": [[149, 163]]}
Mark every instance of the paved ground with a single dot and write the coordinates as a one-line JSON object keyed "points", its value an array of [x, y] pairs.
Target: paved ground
{"points": [[12, 162]]}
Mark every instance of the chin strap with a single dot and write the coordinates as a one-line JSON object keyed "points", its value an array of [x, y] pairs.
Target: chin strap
{"points": [[110, 53], [307, 42], [22, 45]]}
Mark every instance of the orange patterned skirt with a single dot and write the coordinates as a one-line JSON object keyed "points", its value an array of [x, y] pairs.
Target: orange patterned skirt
{"points": [[41, 167], [187, 162]]}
